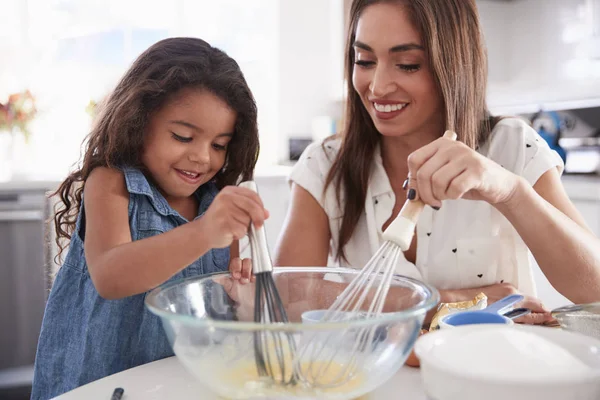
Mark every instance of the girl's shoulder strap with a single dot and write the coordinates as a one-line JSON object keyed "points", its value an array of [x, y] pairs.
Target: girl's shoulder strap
{"points": [[139, 185]]}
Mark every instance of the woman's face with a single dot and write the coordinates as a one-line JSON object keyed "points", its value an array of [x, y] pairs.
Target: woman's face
{"points": [[392, 75]]}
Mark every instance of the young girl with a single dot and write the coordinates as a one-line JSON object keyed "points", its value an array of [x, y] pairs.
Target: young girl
{"points": [[151, 203], [414, 69]]}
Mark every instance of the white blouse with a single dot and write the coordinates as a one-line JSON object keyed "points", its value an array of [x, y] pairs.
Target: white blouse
{"points": [[466, 243]]}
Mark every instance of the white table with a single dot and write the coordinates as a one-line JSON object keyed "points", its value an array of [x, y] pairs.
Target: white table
{"points": [[167, 379]]}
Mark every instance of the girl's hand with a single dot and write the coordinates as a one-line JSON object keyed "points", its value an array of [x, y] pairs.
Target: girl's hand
{"points": [[229, 216], [447, 169], [241, 270], [539, 313], [242, 295]]}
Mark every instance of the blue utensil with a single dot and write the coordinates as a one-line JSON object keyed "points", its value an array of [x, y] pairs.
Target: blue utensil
{"points": [[490, 315]]}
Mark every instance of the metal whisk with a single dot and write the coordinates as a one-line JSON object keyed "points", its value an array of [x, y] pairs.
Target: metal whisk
{"points": [[273, 351], [321, 362]]}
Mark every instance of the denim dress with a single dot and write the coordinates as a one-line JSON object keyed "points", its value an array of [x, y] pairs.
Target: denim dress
{"points": [[85, 337]]}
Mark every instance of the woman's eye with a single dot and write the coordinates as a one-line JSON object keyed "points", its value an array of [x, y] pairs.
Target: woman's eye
{"points": [[181, 138], [409, 67], [364, 63], [219, 147]]}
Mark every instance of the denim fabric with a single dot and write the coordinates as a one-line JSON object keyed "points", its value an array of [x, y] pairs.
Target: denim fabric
{"points": [[85, 337]]}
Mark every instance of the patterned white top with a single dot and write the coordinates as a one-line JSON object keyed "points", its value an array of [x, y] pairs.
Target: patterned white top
{"points": [[466, 243]]}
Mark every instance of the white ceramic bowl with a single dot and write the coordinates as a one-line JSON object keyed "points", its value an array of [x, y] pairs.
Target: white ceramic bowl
{"points": [[459, 364]]}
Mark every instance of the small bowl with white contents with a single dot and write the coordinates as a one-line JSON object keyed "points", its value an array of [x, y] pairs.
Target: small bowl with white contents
{"points": [[516, 362]]}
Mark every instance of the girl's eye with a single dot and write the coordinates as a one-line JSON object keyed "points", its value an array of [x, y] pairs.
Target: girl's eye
{"points": [[181, 138], [410, 67], [364, 63], [219, 147]]}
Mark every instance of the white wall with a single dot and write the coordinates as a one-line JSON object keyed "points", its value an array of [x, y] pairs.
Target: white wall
{"points": [[493, 16], [310, 65], [538, 54], [541, 51]]}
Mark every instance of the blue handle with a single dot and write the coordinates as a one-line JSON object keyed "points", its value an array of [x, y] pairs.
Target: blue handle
{"points": [[502, 304]]}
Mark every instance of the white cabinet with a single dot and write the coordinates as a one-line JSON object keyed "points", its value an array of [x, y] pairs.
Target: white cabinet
{"points": [[549, 296], [22, 284], [590, 210], [585, 195], [275, 194], [584, 192]]}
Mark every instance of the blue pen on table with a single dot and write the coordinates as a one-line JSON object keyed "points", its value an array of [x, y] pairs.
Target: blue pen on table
{"points": [[117, 394]]}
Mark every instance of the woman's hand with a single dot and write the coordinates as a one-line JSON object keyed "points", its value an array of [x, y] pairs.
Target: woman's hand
{"points": [[229, 216], [447, 169], [539, 313], [241, 270]]}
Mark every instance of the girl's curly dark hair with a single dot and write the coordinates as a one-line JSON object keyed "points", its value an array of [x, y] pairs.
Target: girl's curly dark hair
{"points": [[117, 135]]}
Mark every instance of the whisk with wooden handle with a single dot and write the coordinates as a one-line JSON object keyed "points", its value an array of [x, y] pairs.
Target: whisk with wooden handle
{"points": [[273, 351], [364, 297]]}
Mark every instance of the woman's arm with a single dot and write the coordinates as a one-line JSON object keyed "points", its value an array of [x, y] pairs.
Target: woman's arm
{"points": [[305, 236], [566, 251], [120, 267], [563, 246]]}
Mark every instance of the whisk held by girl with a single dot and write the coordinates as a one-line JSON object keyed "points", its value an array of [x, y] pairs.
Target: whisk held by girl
{"points": [[151, 202]]}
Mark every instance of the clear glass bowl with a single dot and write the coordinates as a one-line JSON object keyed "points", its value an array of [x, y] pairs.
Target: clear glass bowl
{"points": [[209, 322], [582, 318]]}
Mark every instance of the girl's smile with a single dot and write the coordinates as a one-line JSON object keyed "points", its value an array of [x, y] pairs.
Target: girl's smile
{"points": [[186, 142], [193, 178]]}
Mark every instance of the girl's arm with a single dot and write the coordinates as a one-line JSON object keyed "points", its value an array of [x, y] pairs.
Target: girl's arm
{"points": [[120, 267], [304, 240]]}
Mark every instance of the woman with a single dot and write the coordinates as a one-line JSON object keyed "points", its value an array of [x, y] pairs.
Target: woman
{"points": [[415, 68]]}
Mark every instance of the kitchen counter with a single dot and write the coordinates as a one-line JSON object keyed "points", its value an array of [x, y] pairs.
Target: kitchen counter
{"points": [[29, 185], [271, 173], [579, 187], [167, 379]]}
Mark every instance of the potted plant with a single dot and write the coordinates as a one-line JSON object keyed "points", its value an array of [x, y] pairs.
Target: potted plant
{"points": [[15, 115]]}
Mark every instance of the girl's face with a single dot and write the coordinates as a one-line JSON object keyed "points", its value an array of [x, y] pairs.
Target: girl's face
{"points": [[392, 75], [185, 144]]}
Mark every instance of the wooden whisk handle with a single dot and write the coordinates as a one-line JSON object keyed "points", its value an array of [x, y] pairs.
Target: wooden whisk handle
{"points": [[402, 228], [412, 208]]}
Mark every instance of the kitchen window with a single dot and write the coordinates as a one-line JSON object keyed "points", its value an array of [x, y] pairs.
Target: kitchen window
{"points": [[69, 53]]}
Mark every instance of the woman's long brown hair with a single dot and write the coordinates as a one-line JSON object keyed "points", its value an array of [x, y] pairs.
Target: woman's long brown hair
{"points": [[116, 138], [455, 48]]}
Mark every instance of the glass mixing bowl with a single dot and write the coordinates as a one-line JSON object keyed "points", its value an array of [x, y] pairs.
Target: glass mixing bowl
{"points": [[209, 322]]}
